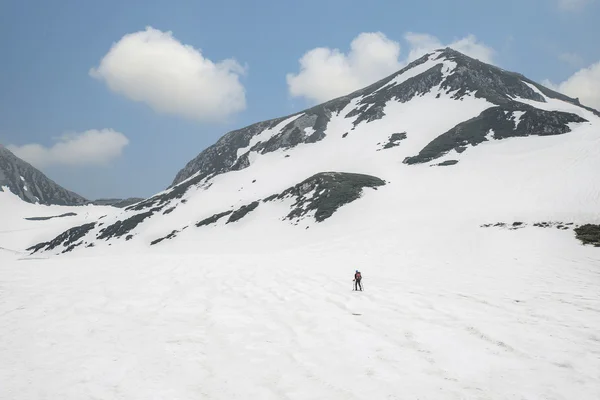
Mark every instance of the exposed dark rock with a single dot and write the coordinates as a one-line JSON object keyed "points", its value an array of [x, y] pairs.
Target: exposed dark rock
{"points": [[500, 122], [242, 212], [169, 210], [65, 239], [213, 219], [168, 237], [589, 234], [545, 224], [270, 198], [496, 225], [330, 191], [221, 156], [72, 247], [447, 163], [242, 162], [47, 218], [121, 228], [394, 140], [512, 227], [234, 216]]}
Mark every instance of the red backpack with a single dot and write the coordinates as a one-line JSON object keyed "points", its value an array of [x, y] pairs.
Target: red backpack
{"points": [[357, 275]]}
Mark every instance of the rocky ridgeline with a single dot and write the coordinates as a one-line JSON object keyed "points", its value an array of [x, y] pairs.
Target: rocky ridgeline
{"points": [[319, 196]]}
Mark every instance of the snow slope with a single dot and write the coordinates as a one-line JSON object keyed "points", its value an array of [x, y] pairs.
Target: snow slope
{"points": [[17, 232]]}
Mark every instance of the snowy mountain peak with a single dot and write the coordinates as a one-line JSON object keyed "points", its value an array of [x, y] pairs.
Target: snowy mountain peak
{"points": [[445, 72], [362, 157], [30, 184]]}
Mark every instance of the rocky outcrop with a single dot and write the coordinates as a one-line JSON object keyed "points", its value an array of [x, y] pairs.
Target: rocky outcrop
{"points": [[394, 140], [68, 239], [495, 123], [589, 234], [52, 217], [323, 194], [121, 228]]}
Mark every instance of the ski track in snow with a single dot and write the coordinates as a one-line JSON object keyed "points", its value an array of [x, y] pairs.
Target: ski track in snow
{"points": [[517, 317]]}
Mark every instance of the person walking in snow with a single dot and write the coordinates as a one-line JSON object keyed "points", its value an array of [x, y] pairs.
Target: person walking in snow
{"points": [[357, 279]]}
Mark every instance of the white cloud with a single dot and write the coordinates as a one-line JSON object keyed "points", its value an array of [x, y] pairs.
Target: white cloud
{"points": [[328, 73], [573, 5], [93, 147], [584, 84], [153, 67]]}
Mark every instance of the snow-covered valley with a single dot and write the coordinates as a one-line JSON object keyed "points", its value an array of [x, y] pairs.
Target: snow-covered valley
{"points": [[484, 314], [454, 187]]}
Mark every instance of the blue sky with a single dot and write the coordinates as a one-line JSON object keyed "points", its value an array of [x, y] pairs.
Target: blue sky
{"points": [[52, 105]]}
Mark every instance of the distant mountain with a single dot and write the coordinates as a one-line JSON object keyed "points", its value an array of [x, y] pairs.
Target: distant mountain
{"points": [[445, 136], [31, 185], [119, 203]]}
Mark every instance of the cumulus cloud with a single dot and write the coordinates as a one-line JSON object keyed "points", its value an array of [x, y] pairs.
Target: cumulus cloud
{"points": [[584, 84], [153, 67], [573, 5], [93, 147], [328, 73]]}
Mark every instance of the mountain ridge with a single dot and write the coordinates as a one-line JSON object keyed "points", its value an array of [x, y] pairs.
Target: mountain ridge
{"points": [[439, 111], [213, 161], [31, 185]]}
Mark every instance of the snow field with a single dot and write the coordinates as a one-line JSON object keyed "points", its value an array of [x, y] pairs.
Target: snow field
{"points": [[489, 314]]}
